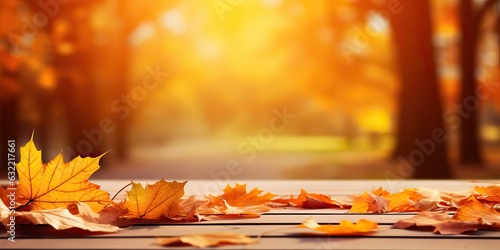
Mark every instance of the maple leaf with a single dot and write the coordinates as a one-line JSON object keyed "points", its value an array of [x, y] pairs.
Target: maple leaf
{"points": [[442, 223], [154, 201], [57, 183], [400, 202], [207, 240], [238, 196], [368, 202], [235, 201], [344, 228], [474, 210], [312, 200], [61, 218], [490, 194]]}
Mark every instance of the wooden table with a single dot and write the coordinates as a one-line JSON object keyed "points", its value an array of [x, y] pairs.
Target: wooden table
{"points": [[279, 222]]}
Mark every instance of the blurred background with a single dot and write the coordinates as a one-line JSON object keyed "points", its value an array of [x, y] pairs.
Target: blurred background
{"points": [[256, 89]]}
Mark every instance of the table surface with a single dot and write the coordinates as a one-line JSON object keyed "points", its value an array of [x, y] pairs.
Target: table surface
{"points": [[279, 223]]}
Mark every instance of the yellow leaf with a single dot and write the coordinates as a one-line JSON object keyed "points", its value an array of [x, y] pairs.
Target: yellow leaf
{"points": [[57, 183], [154, 201], [207, 240], [344, 228]]}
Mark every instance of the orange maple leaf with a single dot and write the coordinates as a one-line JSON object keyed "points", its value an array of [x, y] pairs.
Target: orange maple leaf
{"points": [[401, 202], [207, 239], [57, 183], [490, 194], [344, 228], [238, 196], [368, 202], [235, 201], [312, 200], [154, 201], [473, 210]]}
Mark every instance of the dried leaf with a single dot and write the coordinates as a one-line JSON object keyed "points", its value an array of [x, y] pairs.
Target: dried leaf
{"points": [[368, 202], [344, 228], [490, 194], [312, 200], [442, 223], [57, 183], [429, 199], [235, 201], [207, 240], [61, 218], [476, 211], [400, 202], [239, 197], [154, 201]]}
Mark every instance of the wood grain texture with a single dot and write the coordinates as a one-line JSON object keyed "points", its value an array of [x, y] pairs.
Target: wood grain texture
{"points": [[277, 227]]}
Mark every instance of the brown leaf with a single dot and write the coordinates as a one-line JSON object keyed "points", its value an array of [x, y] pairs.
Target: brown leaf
{"points": [[344, 228], [207, 240], [62, 218], [442, 223], [476, 211]]}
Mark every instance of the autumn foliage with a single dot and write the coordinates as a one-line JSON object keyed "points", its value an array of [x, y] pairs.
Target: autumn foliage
{"points": [[59, 194]]}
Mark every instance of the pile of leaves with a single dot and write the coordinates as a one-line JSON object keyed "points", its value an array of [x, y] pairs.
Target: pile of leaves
{"points": [[59, 194]]}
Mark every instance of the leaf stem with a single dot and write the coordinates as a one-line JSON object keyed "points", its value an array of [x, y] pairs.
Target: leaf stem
{"points": [[121, 190], [22, 206]]}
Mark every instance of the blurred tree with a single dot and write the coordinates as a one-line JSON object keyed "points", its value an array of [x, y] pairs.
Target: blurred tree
{"points": [[420, 113], [470, 21]]}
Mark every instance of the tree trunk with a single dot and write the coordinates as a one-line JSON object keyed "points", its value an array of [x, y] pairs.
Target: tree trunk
{"points": [[469, 131], [421, 138]]}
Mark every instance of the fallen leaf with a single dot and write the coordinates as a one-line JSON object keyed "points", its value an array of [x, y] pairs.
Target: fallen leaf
{"points": [[57, 183], [489, 194], [442, 223], [312, 200], [61, 218], [368, 202], [400, 202], [344, 228], [476, 211], [380, 192], [207, 240], [235, 201], [239, 197], [429, 199], [154, 201]]}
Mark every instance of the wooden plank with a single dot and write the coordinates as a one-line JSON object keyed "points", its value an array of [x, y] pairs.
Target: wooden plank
{"points": [[291, 219], [384, 231], [265, 243], [288, 187]]}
